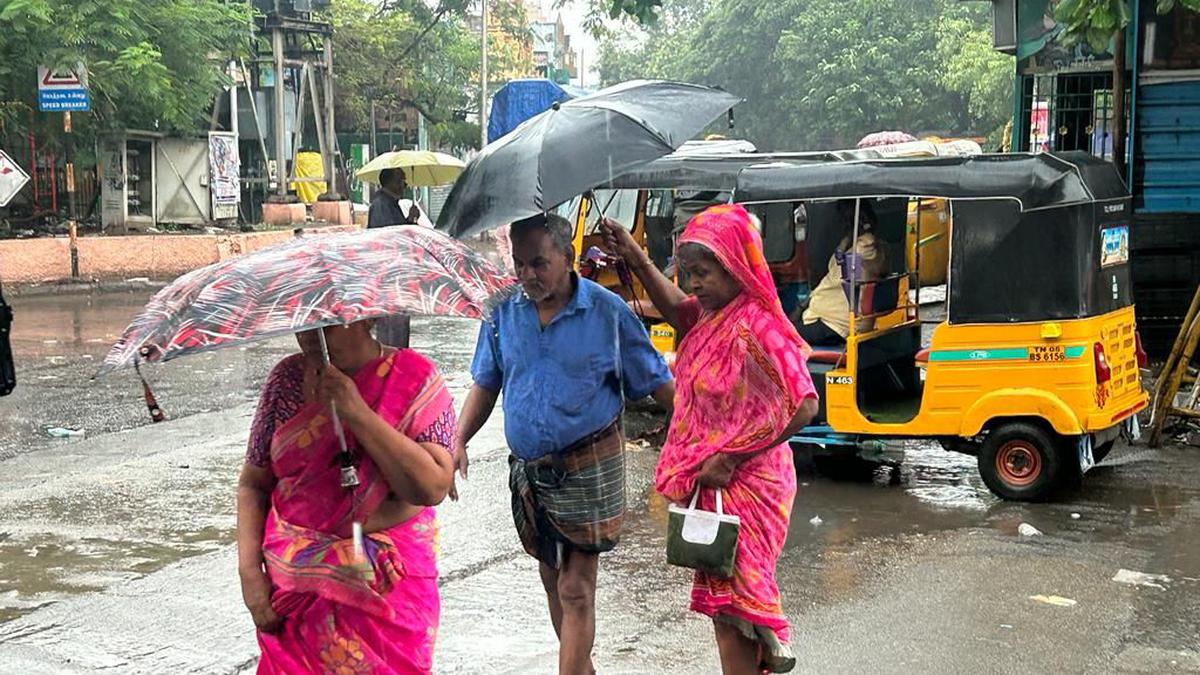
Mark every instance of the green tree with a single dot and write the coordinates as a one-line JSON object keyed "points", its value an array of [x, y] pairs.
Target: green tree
{"points": [[981, 76], [1101, 23], [153, 64], [407, 54], [823, 73], [403, 54]]}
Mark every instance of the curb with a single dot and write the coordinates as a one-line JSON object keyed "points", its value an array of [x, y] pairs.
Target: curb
{"points": [[82, 287]]}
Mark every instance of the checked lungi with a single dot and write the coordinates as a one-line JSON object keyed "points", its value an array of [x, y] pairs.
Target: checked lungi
{"points": [[572, 499]]}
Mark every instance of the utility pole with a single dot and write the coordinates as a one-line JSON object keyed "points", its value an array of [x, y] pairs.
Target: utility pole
{"points": [[368, 190], [330, 123], [483, 73], [278, 116]]}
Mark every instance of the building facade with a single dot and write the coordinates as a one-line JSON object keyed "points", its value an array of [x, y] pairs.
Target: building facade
{"points": [[1064, 101]]}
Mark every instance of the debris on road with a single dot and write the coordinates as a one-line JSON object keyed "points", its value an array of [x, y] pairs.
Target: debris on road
{"points": [[1133, 578], [816, 521], [64, 432], [1075, 516], [1028, 530], [1056, 600]]}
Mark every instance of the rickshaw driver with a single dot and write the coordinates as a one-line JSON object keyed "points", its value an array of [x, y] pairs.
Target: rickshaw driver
{"points": [[825, 320]]}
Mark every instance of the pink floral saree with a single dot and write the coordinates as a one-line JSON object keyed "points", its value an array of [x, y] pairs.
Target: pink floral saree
{"points": [[378, 615]]}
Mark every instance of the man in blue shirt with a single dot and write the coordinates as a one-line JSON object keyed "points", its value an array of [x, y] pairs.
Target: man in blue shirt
{"points": [[566, 353]]}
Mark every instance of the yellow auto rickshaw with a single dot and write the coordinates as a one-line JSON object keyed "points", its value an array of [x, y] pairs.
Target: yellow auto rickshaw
{"points": [[1032, 360]]}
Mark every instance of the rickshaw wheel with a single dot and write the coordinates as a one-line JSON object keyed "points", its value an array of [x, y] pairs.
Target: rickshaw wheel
{"points": [[1022, 462], [1018, 463]]}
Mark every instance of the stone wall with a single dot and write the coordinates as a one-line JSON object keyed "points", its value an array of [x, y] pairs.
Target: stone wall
{"points": [[157, 256]]}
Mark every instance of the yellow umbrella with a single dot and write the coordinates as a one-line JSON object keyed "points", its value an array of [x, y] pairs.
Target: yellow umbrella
{"points": [[421, 167]]}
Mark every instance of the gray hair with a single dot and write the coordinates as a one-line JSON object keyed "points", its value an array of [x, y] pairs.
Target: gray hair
{"points": [[559, 229]]}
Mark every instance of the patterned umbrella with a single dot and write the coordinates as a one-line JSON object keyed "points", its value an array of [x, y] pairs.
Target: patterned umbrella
{"points": [[308, 283]]}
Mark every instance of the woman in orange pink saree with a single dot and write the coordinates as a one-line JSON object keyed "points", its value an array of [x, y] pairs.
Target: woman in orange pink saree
{"points": [[743, 390], [320, 603]]}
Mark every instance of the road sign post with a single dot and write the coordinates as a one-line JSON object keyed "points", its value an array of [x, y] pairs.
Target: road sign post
{"points": [[72, 213], [65, 91]]}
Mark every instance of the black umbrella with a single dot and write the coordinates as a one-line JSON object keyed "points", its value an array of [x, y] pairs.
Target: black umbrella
{"points": [[576, 146]]}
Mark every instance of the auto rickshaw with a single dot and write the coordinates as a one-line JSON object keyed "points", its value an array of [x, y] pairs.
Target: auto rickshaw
{"points": [[1032, 364]]}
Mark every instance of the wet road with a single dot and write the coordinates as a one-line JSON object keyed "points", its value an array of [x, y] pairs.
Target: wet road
{"points": [[116, 554]]}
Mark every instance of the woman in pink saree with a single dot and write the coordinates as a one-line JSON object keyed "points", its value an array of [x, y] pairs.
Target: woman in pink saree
{"points": [[743, 389], [320, 603]]}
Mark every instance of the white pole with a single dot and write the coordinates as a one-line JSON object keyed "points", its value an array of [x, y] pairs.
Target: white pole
{"points": [[483, 73], [233, 97]]}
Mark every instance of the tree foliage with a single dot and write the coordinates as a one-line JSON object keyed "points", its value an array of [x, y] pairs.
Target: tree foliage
{"points": [[823, 73], [153, 64], [1096, 21], [405, 53]]}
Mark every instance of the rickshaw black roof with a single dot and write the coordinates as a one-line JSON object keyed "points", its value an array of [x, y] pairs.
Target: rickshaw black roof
{"points": [[1036, 181], [704, 171]]}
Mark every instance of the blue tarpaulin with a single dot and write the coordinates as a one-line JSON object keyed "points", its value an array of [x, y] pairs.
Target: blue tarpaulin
{"points": [[519, 100]]}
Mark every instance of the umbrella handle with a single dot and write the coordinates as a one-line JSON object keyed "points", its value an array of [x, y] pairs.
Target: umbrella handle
{"points": [[349, 475]]}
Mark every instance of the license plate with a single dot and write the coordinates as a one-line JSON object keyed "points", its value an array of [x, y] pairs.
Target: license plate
{"points": [[1047, 353]]}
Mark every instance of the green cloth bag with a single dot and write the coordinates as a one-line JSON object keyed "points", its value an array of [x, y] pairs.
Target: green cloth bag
{"points": [[702, 540]]}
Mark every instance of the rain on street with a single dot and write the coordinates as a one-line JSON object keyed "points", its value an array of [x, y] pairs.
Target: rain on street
{"points": [[117, 553]]}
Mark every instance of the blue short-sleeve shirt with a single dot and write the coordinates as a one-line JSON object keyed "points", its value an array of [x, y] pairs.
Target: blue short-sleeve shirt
{"points": [[563, 382]]}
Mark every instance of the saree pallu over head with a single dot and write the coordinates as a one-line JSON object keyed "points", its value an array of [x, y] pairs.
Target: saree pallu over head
{"points": [[373, 610], [740, 370]]}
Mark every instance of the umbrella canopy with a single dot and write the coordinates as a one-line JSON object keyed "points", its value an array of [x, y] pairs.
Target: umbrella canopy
{"points": [[422, 168], [885, 138], [576, 146], [309, 283]]}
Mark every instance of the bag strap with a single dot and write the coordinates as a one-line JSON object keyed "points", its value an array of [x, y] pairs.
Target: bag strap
{"points": [[696, 497]]}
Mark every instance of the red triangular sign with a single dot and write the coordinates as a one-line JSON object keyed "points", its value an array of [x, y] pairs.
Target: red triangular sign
{"points": [[53, 78]]}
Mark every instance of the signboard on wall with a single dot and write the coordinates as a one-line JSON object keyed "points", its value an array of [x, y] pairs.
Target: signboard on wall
{"points": [[360, 154], [1040, 40], [224, 170]]}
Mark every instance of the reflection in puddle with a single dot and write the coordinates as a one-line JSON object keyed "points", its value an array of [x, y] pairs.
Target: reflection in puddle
{"points": [[942, 478]]}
